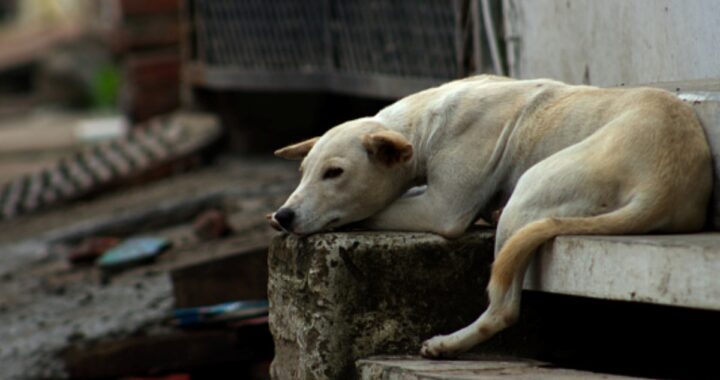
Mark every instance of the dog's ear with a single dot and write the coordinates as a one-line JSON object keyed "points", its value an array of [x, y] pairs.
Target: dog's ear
{"points": [[388, 147], [297, 151]]}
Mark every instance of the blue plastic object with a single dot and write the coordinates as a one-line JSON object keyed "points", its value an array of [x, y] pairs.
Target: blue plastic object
{"points": [[132, 252]]}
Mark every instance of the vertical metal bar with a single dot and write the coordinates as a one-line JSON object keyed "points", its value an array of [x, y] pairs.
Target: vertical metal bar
{"points": [[200, 33], [492, 38], [186, 53], [459, 37], [512, 38], [329, 46], [477, 35]]}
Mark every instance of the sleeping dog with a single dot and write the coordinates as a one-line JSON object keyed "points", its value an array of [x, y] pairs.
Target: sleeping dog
{"points": [[558, 159]]}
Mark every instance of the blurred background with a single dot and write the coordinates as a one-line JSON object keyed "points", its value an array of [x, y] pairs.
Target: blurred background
{"points": [[124, 120]]}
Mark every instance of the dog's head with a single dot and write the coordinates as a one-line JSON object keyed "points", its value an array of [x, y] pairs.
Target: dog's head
{"points": [[348, 174]]}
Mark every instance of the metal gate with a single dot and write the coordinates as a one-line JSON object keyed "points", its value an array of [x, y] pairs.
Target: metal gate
{"points": [[379, 48]]}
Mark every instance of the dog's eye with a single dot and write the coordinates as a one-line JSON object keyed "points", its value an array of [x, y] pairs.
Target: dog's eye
{"points": [[332, 173]]}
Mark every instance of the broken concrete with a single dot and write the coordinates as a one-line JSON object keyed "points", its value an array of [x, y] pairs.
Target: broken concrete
{"points": [[339, 297]]}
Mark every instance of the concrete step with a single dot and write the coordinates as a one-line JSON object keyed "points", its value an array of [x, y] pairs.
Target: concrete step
{"points": [[339, 297], [675, 270], [409, 368]]}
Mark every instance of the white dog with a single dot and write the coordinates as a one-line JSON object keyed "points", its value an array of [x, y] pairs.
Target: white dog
{"points": [[560, 159]]}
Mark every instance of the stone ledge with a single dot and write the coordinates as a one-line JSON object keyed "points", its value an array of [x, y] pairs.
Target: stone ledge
{"points": [[409, 368], [339, 297], [675, 270]]}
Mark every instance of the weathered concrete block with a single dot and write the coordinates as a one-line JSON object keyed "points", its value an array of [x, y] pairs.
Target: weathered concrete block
{"points": [[339, 297]]}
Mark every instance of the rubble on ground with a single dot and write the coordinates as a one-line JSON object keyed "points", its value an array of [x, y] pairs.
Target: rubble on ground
{"points": [[50, 306]]}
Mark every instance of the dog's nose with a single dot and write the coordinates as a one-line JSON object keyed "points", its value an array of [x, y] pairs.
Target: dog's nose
{"points": [[285, 217]]}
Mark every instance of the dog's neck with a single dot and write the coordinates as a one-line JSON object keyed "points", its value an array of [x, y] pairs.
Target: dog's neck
{"points": [[427, 122]]}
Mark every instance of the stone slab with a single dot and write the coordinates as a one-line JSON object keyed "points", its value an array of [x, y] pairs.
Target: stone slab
{"points": [[409, 368], [339, 297], [676, 270]]}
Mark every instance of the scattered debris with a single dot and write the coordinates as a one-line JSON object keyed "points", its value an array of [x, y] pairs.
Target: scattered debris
{"points": [[90, 249], [72, 324], [211, 224]]}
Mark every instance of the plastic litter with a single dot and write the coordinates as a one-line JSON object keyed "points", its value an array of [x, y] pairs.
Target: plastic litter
{"points": [[132, 252]]}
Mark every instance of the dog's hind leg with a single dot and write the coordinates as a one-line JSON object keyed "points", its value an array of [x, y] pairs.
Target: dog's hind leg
{"points": [[508, 270]]}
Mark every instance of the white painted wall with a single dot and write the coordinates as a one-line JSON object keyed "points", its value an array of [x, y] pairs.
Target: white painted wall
{"points": [[613, 42]]}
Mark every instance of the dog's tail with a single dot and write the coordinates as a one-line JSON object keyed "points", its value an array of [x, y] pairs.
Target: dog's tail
{"points": [[635, 217]]}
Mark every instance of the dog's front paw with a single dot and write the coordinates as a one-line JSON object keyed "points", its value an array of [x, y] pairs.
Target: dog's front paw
{"points": [[437, 348]]}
